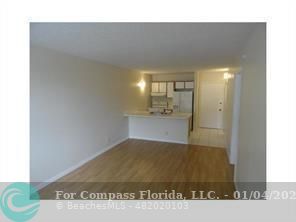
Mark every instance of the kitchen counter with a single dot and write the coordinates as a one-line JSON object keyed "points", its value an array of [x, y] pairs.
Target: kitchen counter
{"points": [[174, 115], [174, 127]]}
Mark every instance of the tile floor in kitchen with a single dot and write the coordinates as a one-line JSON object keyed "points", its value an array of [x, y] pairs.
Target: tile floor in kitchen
{"points": [[208, 137]]}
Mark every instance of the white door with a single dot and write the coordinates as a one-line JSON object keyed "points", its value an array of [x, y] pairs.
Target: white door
{"points": [[211, 105]]}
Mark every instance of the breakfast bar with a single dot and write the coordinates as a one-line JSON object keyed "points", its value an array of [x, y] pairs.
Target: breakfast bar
{"points": [[173, 127]]}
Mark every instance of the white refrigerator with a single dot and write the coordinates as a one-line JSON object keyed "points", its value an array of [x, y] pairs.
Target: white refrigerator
{"points": [[182, 101]]}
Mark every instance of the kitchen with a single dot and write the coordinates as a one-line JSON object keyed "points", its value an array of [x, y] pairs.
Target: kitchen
{"points": [[170, 115]]}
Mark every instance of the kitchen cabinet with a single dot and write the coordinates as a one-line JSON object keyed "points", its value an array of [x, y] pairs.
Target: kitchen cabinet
{"points": [[184, 85], [180, 85], [162, 87], [155, 87], [189, 85], [167, 88], [159, 87], [170, 89]]}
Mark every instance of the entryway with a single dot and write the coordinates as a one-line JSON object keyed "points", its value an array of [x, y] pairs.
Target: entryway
{"points": [[208, 137], [209, 110]]}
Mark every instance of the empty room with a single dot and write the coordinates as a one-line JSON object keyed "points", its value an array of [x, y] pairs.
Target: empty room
{"points": [[135, 109]]}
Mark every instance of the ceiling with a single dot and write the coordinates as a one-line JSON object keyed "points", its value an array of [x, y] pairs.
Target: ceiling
{"points": [[150, 47]]}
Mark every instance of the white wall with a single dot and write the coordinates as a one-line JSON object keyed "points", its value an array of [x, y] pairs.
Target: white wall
{"points": [[231, 116], [228, 112], [77, 109], [251, 165], [196, 101]]}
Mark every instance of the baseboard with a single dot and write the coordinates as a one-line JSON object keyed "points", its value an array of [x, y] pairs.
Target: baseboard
{"points": [[235, 185], [76, 166], [158, 140]]}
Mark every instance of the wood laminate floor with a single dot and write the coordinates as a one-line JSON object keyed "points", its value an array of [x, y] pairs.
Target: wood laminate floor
{"points": [[140, 164]]}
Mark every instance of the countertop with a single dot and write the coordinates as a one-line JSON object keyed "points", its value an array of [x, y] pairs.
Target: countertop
{"points": [[174, 115]]}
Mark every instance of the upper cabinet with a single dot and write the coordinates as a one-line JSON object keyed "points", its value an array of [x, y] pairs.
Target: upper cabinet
{"points": [[180, 85], [158, 89], [155, 87], [167, 88], [189, 85], [162, 87], [170, 89], [184, 85]]}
